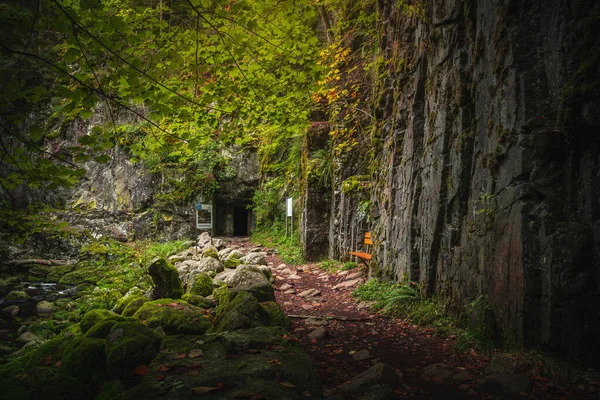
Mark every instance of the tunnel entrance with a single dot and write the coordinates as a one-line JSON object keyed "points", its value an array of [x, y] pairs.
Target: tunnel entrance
{"points": [[240, 221]]}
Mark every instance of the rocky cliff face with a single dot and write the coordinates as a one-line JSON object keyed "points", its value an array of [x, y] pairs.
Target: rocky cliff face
{"points": [[488, 161]]}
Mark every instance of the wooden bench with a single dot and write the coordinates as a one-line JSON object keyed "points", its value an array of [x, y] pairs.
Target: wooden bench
{"points": [[363, 255]]}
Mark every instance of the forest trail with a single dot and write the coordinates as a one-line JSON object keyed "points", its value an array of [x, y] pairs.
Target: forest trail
{"points": [[344, 338]]}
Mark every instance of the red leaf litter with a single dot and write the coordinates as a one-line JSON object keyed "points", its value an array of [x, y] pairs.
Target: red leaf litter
{"points": [[359, 338]]}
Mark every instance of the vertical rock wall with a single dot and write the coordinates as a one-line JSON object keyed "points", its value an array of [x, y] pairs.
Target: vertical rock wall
{"points": [[487, 172]]}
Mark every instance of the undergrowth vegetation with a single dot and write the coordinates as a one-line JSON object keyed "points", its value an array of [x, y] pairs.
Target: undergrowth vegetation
{"points": [[288, 246], [406, 301], [106, 271]]}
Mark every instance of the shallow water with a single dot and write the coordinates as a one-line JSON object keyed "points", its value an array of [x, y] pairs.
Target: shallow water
{"points": [[39, 291]]}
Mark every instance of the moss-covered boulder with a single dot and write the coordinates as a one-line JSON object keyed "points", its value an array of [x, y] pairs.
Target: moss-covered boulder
{"points": [[241, 312], [222, 295], [59, 271], [133, 305], [133, 293], [42, 383], [17, 295], [276, 315], [248, 278], [198, 301], [202, 285], [166, 280], [254, 259], [83, 274], [211, 252], [248, 374], [92, 317], [37, 381], [232, 262], [210, 264], [85, 360], [174, 317], [129, 345], [102, 328]]}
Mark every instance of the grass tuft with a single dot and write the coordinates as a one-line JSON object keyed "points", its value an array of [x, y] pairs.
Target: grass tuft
{"points": [[289, 248]]}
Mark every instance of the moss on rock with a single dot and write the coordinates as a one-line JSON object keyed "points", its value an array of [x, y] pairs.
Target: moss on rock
{"points": [[124, 301], [196, 300], [17, 295], [211, 252], [129, 345], [232, 262], [241, 312], [166, 280], [276, 315], [58, 271], [92, 317], [133, 305], [85, 360], [222, 296], [202, 285], [174, 317]]}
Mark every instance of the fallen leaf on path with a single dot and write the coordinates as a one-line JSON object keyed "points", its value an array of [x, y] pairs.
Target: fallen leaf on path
{"points": [[161, 378], [179, 356], [57, 364], [274, 362], [287, 384], [163, 368], [142, 370]]}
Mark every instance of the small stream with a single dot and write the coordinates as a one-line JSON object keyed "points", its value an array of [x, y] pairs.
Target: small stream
{"points": [[38, 291]]}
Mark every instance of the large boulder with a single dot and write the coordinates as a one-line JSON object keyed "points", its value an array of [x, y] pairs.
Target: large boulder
{"points": [[247, 278], [241, 312], [237, 364], [223, 253], [84, 358], [166, 280], [123, 301], [202, 285], [210, 264], [129, 345], [204, 239], [174, 317], [224, 278], [92, 317], [254, 259], [17, 295]]}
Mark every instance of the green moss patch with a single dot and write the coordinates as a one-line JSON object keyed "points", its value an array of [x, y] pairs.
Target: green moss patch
{"points": [[174, 317], [202, 285], [166, 280], [276, 315], [85, 360], [92, 317], [129, 345]]}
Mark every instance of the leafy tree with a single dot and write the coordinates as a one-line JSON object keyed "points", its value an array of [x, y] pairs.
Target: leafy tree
{"points": [[170, 82]]}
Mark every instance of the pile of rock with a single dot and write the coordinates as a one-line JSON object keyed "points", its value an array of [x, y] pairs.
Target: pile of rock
{"points": [[210, 260], [204, 329]]}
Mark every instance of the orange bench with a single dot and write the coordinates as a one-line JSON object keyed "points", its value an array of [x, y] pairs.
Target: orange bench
{"points": [[363, 255]]}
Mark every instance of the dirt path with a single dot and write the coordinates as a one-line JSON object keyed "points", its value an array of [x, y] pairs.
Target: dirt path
{"points": [[355, 339]]}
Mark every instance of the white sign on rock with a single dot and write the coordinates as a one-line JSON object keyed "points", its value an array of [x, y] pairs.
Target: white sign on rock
{"points": [[289, 207]]}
